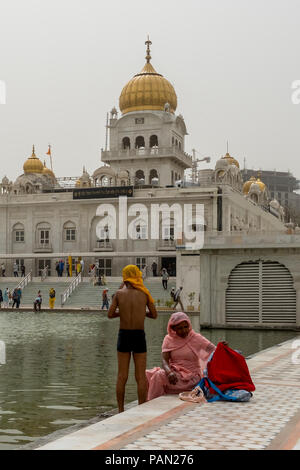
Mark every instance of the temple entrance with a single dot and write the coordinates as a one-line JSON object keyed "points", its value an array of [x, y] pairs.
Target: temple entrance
{"points": [[170, 265]]}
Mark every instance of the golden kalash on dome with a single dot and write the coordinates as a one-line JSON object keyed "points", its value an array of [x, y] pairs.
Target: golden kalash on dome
{"points": [[33, 164], [147, 90]]}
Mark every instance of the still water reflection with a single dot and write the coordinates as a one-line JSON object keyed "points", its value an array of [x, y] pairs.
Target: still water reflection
{"points": [[61, 368]]}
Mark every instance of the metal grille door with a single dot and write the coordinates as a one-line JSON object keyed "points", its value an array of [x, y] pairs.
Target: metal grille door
{"points": [[260, 292]]}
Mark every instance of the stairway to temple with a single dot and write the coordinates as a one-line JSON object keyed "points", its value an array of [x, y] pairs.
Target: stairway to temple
{"points": [[87, 295], [29, 293]]}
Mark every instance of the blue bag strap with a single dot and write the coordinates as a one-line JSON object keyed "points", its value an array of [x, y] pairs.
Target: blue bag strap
{"points": [[221, 394]]}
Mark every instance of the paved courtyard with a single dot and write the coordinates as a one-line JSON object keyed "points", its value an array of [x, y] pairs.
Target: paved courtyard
{"points": [[271, 420]]}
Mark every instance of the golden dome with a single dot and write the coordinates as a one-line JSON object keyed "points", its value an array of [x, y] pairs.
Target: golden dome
{"points": [[261, 184], [47, 171], [231, 160], [247, 185], [33, 164], [147, 90]]}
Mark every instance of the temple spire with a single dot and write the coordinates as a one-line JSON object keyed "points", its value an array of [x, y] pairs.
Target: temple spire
{"points": [[148, 44]]}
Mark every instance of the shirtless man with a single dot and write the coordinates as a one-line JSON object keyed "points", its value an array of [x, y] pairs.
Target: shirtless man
{"points": [[130, 303]]}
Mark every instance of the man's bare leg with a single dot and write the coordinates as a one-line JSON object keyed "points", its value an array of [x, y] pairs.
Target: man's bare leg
{"points": [[140, 376], [123, 368]]}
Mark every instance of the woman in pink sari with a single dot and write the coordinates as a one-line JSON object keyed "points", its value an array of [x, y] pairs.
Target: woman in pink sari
{"points": [[184, 357]]}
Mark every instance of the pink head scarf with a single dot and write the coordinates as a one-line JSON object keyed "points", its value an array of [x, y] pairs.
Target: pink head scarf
{"points": [[201, 346]]}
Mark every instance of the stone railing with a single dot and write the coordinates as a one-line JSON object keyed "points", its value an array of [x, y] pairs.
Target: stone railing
{"points": [[107, 155], [71, 288], [25, 281], [43, 247], [103, 245], [167, 244]]}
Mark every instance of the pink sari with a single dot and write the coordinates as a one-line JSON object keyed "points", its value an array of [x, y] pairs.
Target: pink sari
{"points": [[188, 358]]}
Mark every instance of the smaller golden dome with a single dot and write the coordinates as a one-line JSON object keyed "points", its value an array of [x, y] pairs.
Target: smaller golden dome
{"points": [[33, 164], [47, 171], [247, 185], [260, 183], [231, 160]]}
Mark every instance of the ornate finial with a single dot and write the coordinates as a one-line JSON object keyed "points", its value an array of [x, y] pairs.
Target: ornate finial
{"points": [[258, 174], [148, 44]]}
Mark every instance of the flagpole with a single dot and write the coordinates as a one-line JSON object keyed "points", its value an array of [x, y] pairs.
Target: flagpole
{"points": [[49, 153]]}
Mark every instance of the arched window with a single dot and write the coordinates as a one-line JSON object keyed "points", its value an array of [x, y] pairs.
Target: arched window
{"points": [[176, 143], [153, 141], [173, 140], [18, 233], [139, 142], [139, 177], [69, 231], [105, 181], [153, 175], [43, 234], [126, 143], [179, 145]]}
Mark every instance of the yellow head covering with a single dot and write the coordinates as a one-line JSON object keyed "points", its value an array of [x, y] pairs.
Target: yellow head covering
{"points": [[132, 274]]}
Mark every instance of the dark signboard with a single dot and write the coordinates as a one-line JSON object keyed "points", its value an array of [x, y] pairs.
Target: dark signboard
{"points": [[104, 191]]}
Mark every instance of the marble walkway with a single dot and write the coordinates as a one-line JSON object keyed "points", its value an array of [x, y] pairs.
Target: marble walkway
{"points": [[271, 420]]}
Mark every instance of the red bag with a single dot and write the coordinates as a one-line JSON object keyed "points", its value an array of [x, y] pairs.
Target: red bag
{"points": [[228, 370]]}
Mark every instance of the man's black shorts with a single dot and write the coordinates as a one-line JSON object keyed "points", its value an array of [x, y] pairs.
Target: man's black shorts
{"points": [[132, 341]]}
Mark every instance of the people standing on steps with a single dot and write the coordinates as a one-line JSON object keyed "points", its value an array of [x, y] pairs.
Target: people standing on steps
{"points": [[37, 305], [23, 270], [6, 298], [19, 294], [15, 268], [57, 268], [105, 302], [165, 278], [38, 302], [51, 298], [1, 298], [61, 267], [144, 272], [154, 268], [3, 270], [177, 299], [78, 268], [82, 266]]}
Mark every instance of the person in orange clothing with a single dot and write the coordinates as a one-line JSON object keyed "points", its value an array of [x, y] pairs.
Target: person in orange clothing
{"points": [[51, 298]]}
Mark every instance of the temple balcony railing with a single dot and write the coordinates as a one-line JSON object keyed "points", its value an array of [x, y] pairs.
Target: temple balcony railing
{"points": [[103, 245], [166, 244], [145, 152], [45, 247]]}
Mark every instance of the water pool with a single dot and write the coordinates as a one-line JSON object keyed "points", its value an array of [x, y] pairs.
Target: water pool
{"points": [[61, 368]]}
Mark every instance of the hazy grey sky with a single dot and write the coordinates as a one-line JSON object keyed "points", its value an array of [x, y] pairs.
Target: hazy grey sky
{"points": [[232, 63]]}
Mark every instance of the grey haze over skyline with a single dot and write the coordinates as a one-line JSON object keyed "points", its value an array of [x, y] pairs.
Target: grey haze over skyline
{"points": [[232, 64]]}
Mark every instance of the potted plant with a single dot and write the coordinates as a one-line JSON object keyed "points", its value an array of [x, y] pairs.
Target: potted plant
{"points": [[191, 297], [168, 304]]}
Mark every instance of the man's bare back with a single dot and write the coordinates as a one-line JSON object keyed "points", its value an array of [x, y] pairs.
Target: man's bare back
{"points": [[130, 305]]}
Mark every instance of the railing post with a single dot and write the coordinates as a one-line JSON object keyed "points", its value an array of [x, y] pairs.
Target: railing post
{"points": [[71, 287]]}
